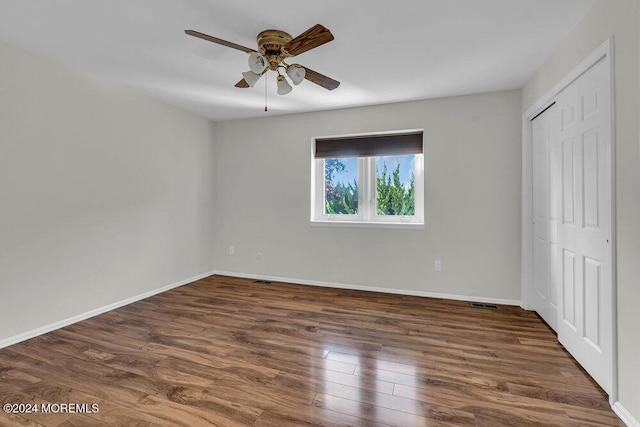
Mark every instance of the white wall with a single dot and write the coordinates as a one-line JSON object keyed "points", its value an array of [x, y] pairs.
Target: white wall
{"points": [[621, 19], [104, 194], [472, 200]]}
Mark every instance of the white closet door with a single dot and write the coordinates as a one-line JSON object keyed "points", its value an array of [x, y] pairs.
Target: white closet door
{"points": [[584, 227], [546, 190]]}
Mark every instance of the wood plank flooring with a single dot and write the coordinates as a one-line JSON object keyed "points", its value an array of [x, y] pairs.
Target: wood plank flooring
{"points": [[230, 352]]}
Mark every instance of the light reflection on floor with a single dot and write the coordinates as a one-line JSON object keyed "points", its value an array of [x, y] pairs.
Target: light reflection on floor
{"points": [[362, 385]]}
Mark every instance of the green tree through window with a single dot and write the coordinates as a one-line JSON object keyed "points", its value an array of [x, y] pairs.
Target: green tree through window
{"points": [[393, 197], [340, 197]]}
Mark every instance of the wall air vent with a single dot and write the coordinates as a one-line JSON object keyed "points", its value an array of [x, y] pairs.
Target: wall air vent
{"points": [[483, 305]]}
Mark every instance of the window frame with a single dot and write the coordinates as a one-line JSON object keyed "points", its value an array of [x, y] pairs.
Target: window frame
{"points": [[367, 213]]}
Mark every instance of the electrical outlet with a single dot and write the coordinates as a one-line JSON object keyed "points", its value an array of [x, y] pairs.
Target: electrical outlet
{"points": [[232, 250], [258, 255], [437, 265]]}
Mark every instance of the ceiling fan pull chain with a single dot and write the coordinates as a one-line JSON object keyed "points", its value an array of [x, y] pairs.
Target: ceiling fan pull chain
{"points": [[265, 93]]}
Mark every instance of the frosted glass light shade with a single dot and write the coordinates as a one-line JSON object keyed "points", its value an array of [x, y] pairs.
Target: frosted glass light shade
{"points": [[283, 86], [296, 73], [251, 77], [257, 63]]}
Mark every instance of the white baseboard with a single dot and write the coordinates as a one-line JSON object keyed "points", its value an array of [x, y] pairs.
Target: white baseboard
{"points": [[371, 288], [625, 415], [65, 322]]}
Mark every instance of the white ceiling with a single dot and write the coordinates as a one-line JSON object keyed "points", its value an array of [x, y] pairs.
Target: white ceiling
{"points": [[384, 51]]}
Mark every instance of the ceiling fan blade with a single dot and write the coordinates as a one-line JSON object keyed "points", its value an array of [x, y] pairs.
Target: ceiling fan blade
{"points": [[217, 40], [242, 84], [320, 79], [312, 38]]}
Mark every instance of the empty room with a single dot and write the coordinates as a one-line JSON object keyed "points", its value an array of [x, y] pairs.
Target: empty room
{"points": [[362, 213]]}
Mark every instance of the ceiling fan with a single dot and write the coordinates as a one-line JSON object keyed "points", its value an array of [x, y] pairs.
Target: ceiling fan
{"points": [[274, 46]]}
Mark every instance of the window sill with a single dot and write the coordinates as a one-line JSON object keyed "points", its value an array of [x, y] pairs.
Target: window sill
{"points": [[370, 224]]}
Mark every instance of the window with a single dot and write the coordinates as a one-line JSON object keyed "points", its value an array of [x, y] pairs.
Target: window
{"points": [[368, 179]]}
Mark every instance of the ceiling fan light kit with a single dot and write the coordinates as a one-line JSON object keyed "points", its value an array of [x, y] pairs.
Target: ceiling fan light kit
{"points": [[296, 73], [251, 78], [283, 85], [257, 63], [273, 47]]}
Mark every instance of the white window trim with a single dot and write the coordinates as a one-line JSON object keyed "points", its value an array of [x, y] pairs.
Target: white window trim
{"points": [[367, 216]]}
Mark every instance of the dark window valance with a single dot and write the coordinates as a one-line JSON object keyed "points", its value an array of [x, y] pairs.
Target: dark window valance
{"points": [[370, 145]]}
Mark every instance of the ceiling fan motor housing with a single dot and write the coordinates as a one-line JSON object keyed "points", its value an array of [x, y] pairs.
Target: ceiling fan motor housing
{"points": [[271, 43]]}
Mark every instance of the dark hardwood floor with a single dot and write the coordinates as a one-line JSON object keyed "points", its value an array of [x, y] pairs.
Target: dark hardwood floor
{"points": [[231, 352]]}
